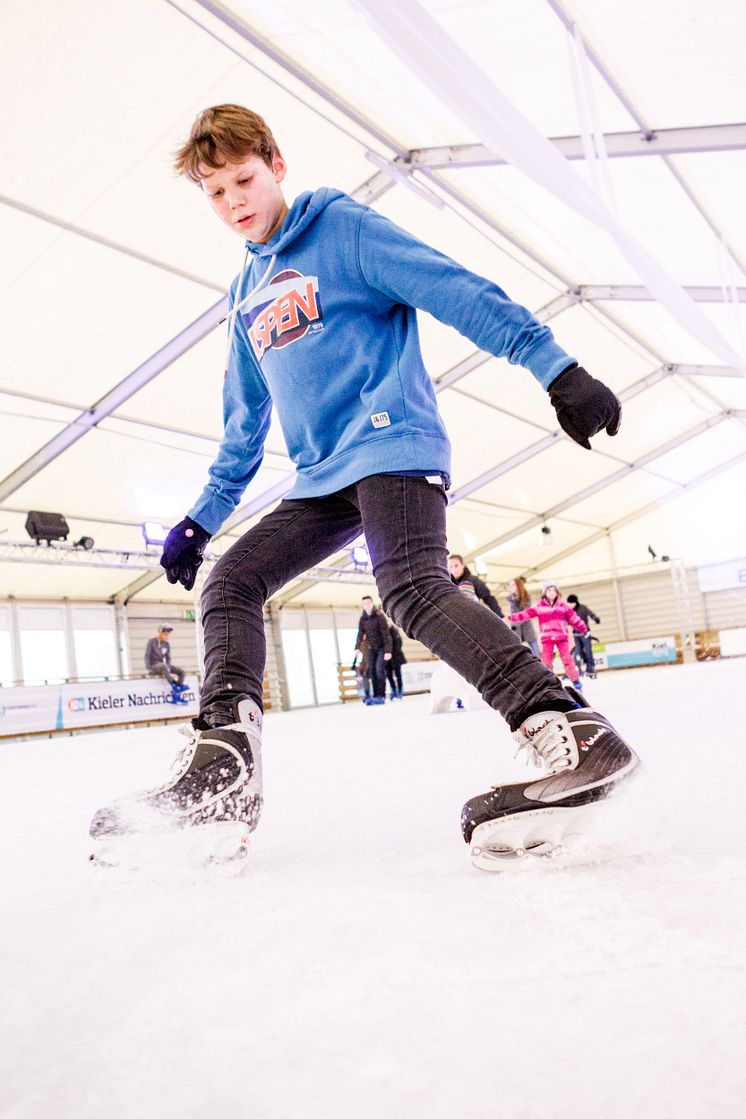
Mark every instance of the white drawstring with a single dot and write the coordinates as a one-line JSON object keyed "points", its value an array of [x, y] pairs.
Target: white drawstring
{"points": [[237, 306]]}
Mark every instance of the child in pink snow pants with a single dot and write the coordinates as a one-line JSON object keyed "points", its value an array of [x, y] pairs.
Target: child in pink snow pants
{"points": [[555, 616]]}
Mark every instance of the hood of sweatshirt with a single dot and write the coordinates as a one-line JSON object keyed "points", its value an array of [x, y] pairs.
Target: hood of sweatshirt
{"points": [[303, 211]]}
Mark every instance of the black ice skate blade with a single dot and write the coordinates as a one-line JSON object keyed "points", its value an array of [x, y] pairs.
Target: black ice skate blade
{"points": [[203, 851]]}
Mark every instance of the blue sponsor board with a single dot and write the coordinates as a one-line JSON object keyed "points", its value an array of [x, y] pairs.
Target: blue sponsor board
{"points": [[633, 654], [642, 656]]}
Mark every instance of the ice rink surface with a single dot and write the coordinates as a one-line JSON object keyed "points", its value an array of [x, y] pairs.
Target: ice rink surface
{"points": [[361, 967]]}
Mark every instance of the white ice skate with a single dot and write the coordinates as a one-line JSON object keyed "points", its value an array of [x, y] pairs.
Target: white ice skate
{"points": [[584, 760]]}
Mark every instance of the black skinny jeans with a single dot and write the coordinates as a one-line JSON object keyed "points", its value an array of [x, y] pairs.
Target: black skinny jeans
{"points": [[377, 671], [404, 521]]}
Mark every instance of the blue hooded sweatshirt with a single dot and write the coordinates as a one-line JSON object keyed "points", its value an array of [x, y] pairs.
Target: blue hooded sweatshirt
{"points": [[326, 329]]}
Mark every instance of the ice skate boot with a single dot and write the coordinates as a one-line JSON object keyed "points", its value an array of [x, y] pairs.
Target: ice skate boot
{"points": [[214, 796], [584, 760]]}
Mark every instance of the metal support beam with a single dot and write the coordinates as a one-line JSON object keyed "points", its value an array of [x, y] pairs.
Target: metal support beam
{"points": [[548, 441], [558, 7], [602, 484], [257, 505], [67, 555], [474, 360], [705, 371], [637, 293], [123, 596], [107, 243], [230, 19], [619, 145], [503, 467], [126, 388], [650, 507]]}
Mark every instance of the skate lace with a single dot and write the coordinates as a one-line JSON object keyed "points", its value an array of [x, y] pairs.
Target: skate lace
{"points": [[185, 748], [547, 749]]}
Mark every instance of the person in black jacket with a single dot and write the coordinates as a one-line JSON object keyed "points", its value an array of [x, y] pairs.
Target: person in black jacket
{"points": [[465, 581], [584, 641], [393, 666], [374, 630]]}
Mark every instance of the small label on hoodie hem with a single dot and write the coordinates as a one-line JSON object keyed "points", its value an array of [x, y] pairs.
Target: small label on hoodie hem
{"points": [[381, 419]]}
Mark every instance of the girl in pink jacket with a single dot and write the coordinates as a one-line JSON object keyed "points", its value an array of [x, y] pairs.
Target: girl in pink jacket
{"points": [[554, 616]]}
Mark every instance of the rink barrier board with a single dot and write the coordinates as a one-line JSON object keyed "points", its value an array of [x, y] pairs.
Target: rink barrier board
{"points": [[53, 708], [415, 678]]}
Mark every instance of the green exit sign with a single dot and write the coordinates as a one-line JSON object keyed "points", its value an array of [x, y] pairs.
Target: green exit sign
{"points": [[190, 615]]}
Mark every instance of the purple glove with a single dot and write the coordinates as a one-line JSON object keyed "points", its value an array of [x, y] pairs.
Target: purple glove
{"points": [[584, 406], [183, 551]]}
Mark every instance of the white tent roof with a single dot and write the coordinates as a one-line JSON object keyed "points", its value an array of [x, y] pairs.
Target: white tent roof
{"points": [[107, 258]]}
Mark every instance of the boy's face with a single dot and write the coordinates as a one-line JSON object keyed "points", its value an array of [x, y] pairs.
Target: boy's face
{"points": [[247, 196]]}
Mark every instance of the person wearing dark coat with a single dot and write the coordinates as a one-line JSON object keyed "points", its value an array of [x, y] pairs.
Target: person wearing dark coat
{"points": [[393, 667], [374, 630], [468, 583], [584, 641]]}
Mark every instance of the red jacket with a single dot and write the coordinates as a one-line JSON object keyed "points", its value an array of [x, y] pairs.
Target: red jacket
{"points": [[553, 620]]}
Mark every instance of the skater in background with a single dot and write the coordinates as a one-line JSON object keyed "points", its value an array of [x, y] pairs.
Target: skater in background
{"points": [[373, 632], [555, 617], [463, 578], [519, 599], [583, 652], [323, 327], [158, 657], [361, 669], [393, 666]]}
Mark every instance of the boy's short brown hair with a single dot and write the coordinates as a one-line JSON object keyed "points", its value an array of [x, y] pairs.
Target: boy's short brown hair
{"points": [[224, 134]]}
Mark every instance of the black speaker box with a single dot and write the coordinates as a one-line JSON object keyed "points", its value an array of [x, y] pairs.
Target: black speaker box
{"points": [[46, 526]]}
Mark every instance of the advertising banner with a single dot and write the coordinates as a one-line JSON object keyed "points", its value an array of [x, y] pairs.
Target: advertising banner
{"points": [[723, 576], [627, 654], [416, 676], [103, 703]]}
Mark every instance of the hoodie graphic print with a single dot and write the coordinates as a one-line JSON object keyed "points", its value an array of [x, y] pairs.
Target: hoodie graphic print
{"points": [[326, 331], [283, 312]]}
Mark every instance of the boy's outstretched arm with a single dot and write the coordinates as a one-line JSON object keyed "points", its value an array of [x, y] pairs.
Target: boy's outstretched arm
{"points": [[402, 269], [247, 409]]}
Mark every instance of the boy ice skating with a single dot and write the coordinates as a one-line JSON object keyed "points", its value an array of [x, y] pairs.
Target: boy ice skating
{"points": [[323, 325], [555, 617]]}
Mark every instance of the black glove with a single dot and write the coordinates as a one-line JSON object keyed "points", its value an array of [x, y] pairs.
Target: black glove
{"points": [[584, 406], [183, 551]]}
